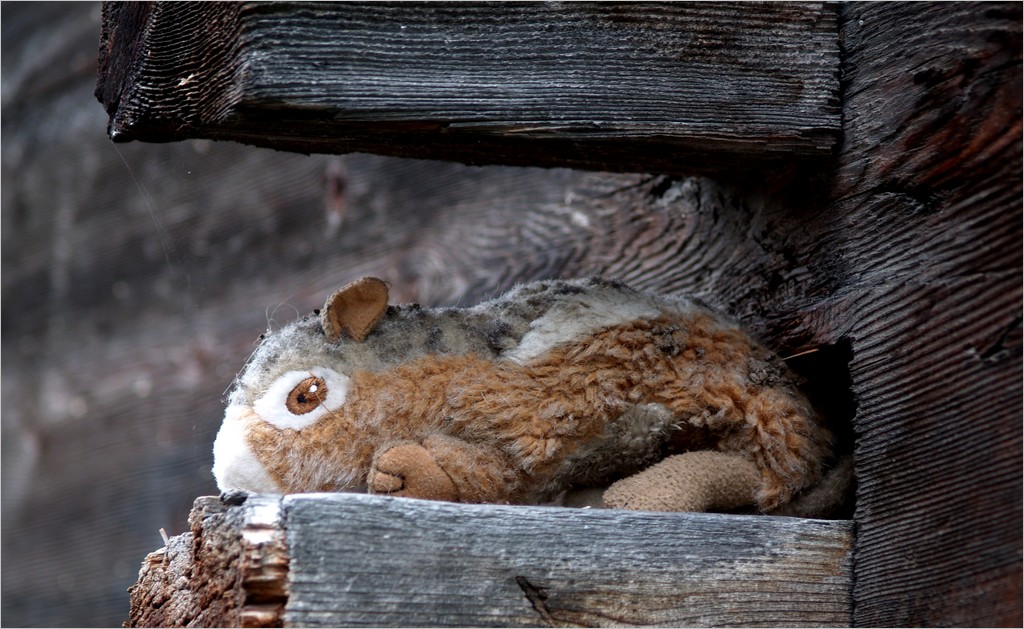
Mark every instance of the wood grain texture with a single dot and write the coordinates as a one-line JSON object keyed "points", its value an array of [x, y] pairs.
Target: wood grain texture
{"points": [[357, 560], [366, 560], [674, 88], [927, 218]]}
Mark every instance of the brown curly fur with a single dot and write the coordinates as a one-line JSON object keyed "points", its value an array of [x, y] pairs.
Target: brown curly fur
{"points": [[508, 432]]}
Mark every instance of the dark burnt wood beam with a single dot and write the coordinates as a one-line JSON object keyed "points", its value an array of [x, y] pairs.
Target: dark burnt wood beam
{"points": [[674, 88]]}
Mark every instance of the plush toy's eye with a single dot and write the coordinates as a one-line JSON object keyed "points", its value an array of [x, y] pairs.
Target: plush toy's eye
{"points": [[307, 395], [298, 398]]}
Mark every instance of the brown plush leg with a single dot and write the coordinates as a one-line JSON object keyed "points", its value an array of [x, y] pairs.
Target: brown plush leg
{"points": [[444, 468], [695, 481]]}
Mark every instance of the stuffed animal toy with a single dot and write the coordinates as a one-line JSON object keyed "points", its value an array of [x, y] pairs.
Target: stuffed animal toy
{"points": [[555, 385]]}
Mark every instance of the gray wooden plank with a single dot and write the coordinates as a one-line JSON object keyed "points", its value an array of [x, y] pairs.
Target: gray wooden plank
{"points": [[358, 560], [649, 87]]}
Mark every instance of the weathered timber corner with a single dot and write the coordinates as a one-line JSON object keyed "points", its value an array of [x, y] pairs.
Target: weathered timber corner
{"points": [[354, 560]]}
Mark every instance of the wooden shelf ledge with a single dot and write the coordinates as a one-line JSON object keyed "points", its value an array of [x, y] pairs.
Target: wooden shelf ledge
{"points": [[360, 560]]}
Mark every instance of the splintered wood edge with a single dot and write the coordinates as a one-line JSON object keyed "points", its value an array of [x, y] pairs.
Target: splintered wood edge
{"points": [[264, 552], [230, 569], [350, 559]]}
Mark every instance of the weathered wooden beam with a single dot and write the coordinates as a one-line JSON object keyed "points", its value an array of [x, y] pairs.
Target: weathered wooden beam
{"points": [[927, 204], [652, 87], [357, 560]]}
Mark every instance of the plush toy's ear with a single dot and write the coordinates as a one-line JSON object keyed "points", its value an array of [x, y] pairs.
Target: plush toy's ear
{"points": [[355, 309]]}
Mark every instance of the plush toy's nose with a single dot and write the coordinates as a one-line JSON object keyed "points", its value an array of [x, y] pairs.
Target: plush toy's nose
{"points": [[235, 466]]}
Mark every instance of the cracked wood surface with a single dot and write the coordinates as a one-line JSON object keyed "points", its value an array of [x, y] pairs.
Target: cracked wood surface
{"points": [[358, 560], [654, 87]]}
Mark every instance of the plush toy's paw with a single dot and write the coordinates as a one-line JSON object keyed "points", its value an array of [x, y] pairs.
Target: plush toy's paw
{"points": [[409, 470], [695, 481]]}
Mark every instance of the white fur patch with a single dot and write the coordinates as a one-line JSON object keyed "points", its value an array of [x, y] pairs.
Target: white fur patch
{"points": [[580, 316], [234, 464], [272, 408]]}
